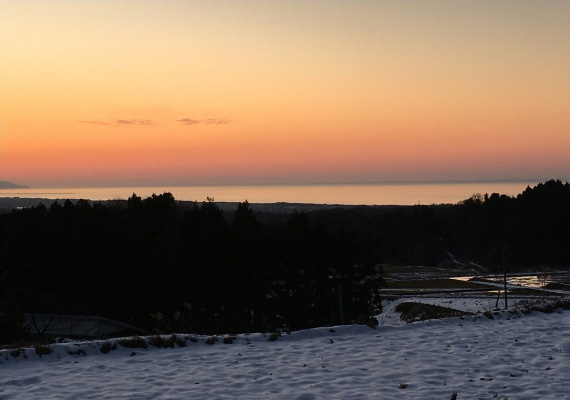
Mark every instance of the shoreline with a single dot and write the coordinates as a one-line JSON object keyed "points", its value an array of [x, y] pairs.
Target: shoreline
{"points": [[8, 204]]}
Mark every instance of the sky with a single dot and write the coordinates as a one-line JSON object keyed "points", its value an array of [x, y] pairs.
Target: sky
{"points": [[130, 93]]}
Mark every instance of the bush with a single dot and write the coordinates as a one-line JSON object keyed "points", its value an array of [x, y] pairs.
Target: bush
{"points": [[158, 341], [135, 342], [43, 349], [107, 347], [77, 352], [553, 306], [229, 339], [16, 352], [211, 340], [546, 307], [412, 312]]}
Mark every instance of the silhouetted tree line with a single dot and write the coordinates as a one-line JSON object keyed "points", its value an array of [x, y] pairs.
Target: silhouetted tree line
{"points": [[532, 229], [163, 264], [172, 267]]}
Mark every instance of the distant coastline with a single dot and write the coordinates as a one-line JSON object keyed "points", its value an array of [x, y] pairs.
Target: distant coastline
{"points": [[8, 204], [10, 185]]}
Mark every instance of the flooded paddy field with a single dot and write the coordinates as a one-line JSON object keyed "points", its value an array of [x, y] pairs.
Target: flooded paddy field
{"points": [[465, 281]]}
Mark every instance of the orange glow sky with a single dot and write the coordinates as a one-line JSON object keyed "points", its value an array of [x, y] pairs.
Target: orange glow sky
{"points": [[99, 93]]}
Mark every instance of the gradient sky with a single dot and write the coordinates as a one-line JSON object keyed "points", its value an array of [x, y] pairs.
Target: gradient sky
{"points": [[97, 93]]}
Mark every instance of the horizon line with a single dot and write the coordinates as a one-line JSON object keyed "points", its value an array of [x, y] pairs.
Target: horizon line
{"points": [[348, 183]]}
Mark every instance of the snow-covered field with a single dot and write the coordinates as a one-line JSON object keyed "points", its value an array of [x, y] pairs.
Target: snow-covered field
{"points": [[511, 356]]}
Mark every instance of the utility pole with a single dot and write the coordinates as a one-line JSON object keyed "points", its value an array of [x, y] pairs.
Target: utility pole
{"points": [[505, 277]]}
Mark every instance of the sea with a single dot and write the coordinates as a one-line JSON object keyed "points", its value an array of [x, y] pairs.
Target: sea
{"points": [[346, 194]]}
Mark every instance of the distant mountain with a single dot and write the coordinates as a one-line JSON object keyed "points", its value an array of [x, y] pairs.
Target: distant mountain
{"points": [[10, 185]]}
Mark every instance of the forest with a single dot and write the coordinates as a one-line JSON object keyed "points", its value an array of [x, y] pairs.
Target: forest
{"points": [[532, 229], [169, 266]]}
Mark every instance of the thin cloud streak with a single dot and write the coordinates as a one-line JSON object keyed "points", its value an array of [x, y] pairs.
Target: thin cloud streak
{"points": [[208, 121], [150, 122], [134, 121], [121, 122], [96, 122], [188, 121], [217, 121]]}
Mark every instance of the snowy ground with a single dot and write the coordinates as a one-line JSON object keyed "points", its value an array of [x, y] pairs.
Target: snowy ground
{"points": [[511, 356]]}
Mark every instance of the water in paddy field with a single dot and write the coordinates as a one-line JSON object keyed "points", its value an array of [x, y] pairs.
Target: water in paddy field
{"points": [[537, 280], [352, 194]]}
